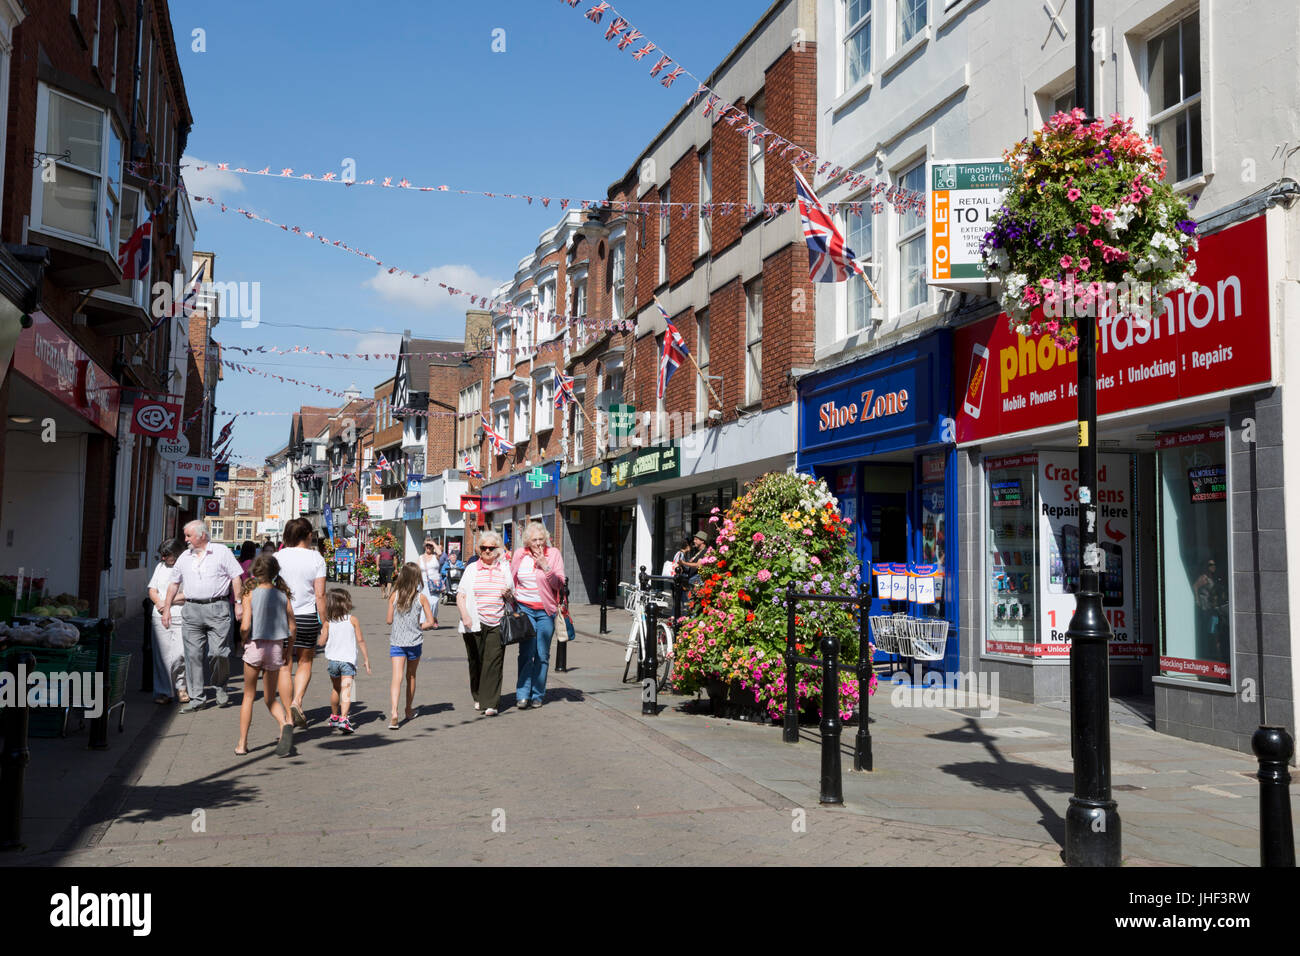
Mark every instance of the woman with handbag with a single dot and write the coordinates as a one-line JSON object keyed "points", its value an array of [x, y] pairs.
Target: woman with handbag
{"points": [[538, 572], [481, 599]]}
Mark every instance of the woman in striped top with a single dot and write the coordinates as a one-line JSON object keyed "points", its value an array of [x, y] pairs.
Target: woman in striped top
{"points": [[410, 617], [481, 602]]}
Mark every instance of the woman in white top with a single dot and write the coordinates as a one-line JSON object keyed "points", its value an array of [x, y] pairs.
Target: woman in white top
{"points": [[303, 569], [431, 574], [168, 645]]}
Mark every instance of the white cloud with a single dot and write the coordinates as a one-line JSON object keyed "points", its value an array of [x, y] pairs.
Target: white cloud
{"points": [[404, 290], [379, 342], [209, 181]]}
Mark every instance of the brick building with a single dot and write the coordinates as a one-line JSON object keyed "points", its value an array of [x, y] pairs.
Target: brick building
{"points": [[244, 501], [75, 116]]}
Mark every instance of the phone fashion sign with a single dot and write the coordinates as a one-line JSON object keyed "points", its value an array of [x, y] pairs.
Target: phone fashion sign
{"points": [[1211, 340]]}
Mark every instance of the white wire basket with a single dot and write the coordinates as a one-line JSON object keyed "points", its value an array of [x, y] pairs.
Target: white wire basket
{"points": [[886, 630], [929, 638]]}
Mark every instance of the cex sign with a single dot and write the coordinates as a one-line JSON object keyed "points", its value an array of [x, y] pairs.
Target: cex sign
{"points": [[1214, 339]]}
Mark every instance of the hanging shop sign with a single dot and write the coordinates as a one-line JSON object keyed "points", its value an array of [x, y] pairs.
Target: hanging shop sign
{"points": [[155, 418], [964, 196], [212, 507], [622, 420], [375, 505], [538, 483], [50, 359], [174, 449], [1214, 339], [470, 504], [890, 402], [192, 476]]}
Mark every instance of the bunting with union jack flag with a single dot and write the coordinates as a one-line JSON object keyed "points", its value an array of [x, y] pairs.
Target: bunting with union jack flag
{"points": [[470, 470], [674, 354], [829, 257], [499, 443], [563, 389], [381, 463]]}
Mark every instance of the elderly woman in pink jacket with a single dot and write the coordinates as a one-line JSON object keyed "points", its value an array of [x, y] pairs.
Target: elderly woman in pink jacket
{"points": [[538, 572]]}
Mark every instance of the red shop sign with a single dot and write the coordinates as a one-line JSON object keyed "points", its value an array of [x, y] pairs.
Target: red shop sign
{"points": [[1212, 340], [50, 359], [470, 503]]}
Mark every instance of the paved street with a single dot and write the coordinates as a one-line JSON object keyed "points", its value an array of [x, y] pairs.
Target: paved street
{"points": [[588, 780]]}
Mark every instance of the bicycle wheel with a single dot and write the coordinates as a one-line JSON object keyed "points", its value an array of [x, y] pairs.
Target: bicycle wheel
{"points": [[632, 653], [663, 648]]}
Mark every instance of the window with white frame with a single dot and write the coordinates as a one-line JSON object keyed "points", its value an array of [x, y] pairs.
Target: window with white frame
{"points": [[522, 416], [218, 529], [133, 211], [665, 224], [702, 360], [754, 342], [502, 419], [94, 36], [545, 392], [546, 312], [757, 152], [245, 499], [580, 298], [911, 243], [861, 239], [524, 339], [503, 357], [112, 67], [1173, 82], [857, 40], [618, 264], [468, 408], [912, 18], [706, 196], [577, 421], [1063, 102], [82, 199]]}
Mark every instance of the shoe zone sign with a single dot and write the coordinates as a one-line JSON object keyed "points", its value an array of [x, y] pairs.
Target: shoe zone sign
{"points": [[887, 403]]}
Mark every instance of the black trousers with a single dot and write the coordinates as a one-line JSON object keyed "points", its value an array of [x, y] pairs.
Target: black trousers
{"points": [[490, 656]]}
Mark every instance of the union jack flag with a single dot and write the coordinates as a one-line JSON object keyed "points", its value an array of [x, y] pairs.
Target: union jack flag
{"points": [[381, 463], [829, 258], [563, 389], [471, 470], [675, 353], [499, 443], [133, 255]]}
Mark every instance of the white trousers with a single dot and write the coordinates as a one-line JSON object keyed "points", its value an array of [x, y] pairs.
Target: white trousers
{"points": [[168, 655]]}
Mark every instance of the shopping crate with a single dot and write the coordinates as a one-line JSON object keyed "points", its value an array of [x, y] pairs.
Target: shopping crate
{"points": [[119, 666], [50, 720]]}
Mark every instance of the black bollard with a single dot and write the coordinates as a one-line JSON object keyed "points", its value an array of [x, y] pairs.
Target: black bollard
{"points": [[790, 727], [99, 725], [862, 759], [832, 791], [604, 605], [14, 757], [146, 649], [1273, 748], [650, 672]]}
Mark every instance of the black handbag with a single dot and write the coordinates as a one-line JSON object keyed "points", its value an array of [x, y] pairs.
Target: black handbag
{"points": [[516, 626]]}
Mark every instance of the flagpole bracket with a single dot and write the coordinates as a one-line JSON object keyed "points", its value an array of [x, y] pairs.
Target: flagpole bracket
{"points": [[37, 158]]}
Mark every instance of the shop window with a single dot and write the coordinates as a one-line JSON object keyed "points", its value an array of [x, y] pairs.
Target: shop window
{"points": [[1011, 568], [1173, 85], [1195, 592]]}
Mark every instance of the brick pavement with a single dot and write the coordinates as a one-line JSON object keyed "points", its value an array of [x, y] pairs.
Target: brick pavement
{"points": [[589, 780]]}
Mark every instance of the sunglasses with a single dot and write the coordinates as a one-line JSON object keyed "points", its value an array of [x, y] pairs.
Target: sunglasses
{"points": [[490, 547]]}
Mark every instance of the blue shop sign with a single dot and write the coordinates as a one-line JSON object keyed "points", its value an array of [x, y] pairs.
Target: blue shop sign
{"points": [[889, 402], [521, 489]]}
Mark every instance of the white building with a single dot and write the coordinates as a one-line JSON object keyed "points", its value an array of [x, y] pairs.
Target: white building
{"points": [[903, 82]]}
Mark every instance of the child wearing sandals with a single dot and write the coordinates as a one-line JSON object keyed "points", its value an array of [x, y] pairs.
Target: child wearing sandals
{"points": [[341, 639], [410, 616], [266, 624]]}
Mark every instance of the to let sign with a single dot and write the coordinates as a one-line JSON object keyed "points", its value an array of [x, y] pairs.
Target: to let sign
{"points": [[192, 476], [964, 196]]}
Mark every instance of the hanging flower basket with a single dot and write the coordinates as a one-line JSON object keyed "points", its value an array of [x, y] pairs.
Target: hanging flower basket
{"points": [[1088, 227]]}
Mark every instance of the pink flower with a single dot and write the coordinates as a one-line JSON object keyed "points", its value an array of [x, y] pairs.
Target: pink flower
{"points": [[764, 575], [758, 536], [1085, 263], [815, 560], [1073, 195], [1066, 262], [808, 532]]}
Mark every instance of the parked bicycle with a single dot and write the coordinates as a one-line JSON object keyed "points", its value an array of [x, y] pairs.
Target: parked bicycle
{"points": [[636, 602]]}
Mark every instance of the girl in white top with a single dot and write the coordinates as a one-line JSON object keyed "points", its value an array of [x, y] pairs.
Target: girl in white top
{"points": [[428, 563], [341, 639], [303, 569], [168, 645]]}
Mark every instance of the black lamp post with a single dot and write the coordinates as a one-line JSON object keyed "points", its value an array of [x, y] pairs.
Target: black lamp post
{"points": [[1092, 827]]}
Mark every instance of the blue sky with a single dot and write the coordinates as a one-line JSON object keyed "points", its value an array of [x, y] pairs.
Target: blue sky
{"points": [[405, 89]]}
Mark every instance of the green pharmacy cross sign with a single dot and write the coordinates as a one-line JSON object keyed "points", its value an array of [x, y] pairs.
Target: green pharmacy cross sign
{"points": [[537, 477]]}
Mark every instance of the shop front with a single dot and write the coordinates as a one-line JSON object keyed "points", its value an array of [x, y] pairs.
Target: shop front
{"points": [[510, 503], [61, 422], [875, 429], [442, 516], [1189, 447]]}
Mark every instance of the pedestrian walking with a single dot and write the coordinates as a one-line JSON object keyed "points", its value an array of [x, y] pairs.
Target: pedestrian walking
{"points": [[247, 552], [410, 616], [480, 601], [431, 570], [168, 643], [267, 624], [537, 570], [341, 640], [208, 575], [303, 570], [386, 558]]}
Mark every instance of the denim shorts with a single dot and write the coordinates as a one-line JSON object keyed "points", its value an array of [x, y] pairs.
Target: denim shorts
{"points": [[342, 669], [410, 653]]}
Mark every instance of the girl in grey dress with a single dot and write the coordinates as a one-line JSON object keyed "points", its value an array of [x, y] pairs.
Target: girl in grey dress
{"points": [[410, 616], [267, 624]]}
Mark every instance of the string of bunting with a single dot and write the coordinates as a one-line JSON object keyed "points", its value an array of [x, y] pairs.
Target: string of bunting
{"points": [[289, 380], [620, 29]]}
